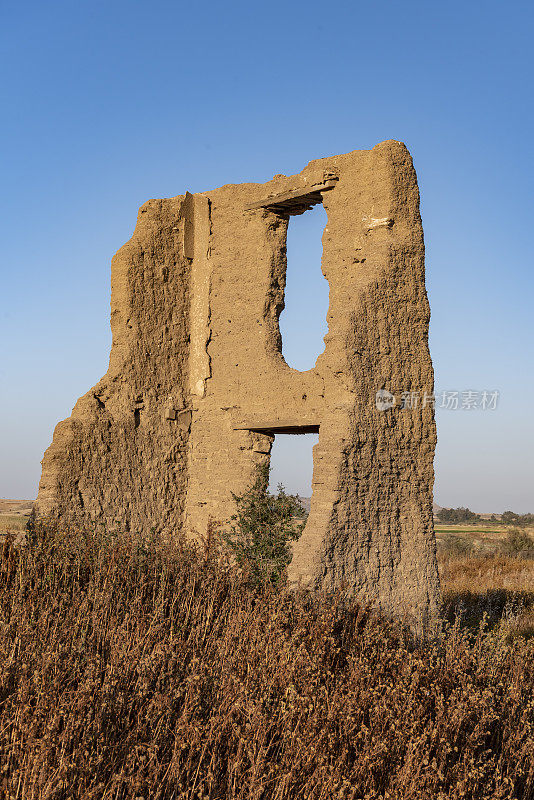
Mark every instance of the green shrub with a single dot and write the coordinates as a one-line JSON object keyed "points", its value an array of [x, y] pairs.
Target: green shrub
{"points": [[511, 518], [517, 541], [457, 515], [262, 529]]}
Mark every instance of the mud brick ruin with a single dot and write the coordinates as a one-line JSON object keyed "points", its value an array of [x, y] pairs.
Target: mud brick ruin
{"points": [[197, 387]]}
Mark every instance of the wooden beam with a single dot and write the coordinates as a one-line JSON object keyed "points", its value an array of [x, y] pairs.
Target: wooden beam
{"points": [[304, 196]]}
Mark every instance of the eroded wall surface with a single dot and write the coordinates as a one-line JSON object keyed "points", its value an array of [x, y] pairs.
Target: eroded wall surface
{"points": [[197, 385]]}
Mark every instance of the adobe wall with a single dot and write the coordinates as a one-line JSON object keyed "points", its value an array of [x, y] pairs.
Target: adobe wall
{"points": [[197, 385], [116, 460]]}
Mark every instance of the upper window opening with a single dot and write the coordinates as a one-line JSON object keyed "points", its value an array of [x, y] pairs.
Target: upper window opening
{"points": [[303, 320]]}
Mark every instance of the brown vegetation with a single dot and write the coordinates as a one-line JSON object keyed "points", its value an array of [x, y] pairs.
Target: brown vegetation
{"points": [[497, 588], [143, 669], [13, 515]]}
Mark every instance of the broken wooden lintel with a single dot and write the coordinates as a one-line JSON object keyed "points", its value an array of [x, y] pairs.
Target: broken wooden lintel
{"points": [[297, 200]]}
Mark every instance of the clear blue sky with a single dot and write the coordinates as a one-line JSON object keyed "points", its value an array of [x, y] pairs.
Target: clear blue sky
{"points": [[107, 104]]}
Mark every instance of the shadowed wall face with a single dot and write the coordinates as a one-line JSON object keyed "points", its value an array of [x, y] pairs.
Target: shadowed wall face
{"points": [[197, 386]]}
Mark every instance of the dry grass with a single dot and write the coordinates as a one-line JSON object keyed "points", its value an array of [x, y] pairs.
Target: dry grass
{"points": [[152, 671], [13, 515], [496, 587], [11, 523]]}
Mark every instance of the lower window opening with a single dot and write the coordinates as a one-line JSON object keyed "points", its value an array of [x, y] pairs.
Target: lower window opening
{"points": [[292, 465]]}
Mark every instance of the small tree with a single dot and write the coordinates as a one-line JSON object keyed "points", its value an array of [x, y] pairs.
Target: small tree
{"points": [[517, 541], [262, 529], [457, 515], [510, 517]]}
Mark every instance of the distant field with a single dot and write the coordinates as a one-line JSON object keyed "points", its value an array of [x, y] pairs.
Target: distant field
{"points": [[15, 506], [12, 522], [479, 539], [14, 515], [466, 529]]}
